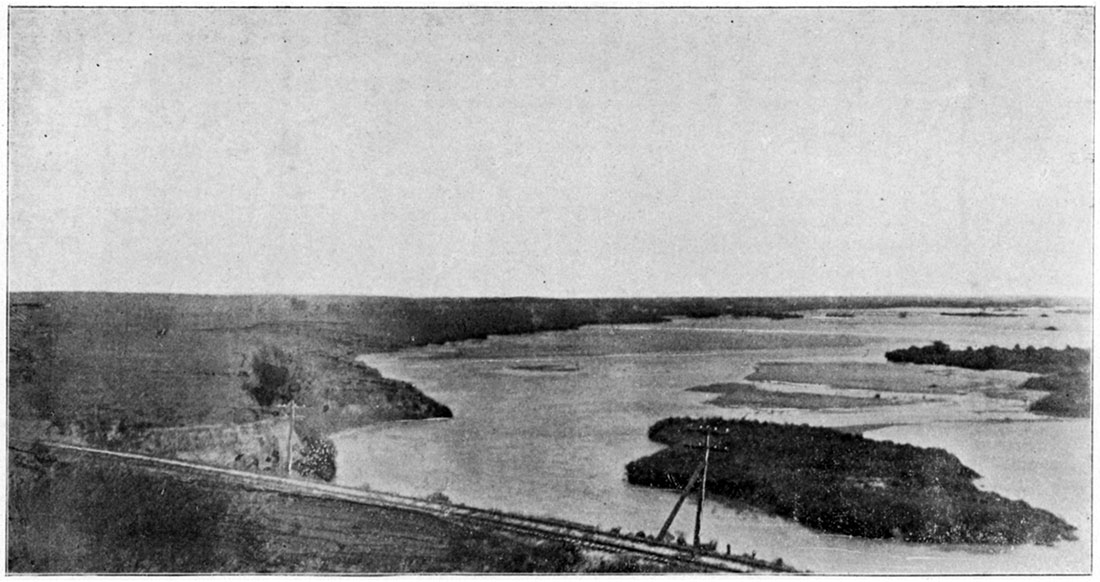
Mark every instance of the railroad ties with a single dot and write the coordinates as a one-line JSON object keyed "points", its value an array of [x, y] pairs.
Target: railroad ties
{"points": [[546, 528]]}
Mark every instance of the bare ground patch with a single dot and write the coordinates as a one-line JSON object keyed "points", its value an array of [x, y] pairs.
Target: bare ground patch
{"points": [[737, 394]]}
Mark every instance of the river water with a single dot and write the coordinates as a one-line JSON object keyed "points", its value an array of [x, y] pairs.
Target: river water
{"points": [[545, 423]]}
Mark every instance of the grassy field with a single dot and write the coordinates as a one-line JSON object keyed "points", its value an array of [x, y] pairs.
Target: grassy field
{"points": [[101, 363]]}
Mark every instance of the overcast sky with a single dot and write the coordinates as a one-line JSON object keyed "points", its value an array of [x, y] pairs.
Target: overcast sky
{"points": [[552, 152]]}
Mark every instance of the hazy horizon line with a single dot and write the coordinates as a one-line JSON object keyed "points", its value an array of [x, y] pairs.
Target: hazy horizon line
{"points": [[1005, 297]]}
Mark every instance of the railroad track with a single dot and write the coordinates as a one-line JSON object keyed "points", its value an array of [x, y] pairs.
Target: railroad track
{"points": [[545, 528]]}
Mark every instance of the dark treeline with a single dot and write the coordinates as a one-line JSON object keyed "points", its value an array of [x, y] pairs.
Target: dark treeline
{"points": [[387, 323], [981, 314], [843, 483], [1029, 359]]}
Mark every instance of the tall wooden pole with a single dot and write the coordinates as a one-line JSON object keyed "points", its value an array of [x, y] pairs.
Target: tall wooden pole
{"points": [[702, 492], [679, 502], [289, 438]]}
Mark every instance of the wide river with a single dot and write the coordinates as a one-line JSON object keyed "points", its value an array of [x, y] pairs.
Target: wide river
{"points": [[545, 423]]}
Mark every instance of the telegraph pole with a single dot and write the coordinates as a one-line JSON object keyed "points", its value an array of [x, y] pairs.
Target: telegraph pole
{"points": [[679, 503], [702, 491], [290, 438], [290, 434]]}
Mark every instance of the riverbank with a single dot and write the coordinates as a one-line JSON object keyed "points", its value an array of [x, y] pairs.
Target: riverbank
{"points": [[843, 483], [109, 367]]}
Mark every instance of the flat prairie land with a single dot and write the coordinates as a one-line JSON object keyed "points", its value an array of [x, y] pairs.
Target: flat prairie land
{"points": [[97, 363]]}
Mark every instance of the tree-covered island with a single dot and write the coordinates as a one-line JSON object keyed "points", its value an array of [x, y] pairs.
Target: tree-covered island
{"points": [[1029, 359], [1065, 372], [843, 483]]}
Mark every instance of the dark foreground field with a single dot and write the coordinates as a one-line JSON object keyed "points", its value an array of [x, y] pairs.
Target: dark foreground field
{"points": [[99, 517]]}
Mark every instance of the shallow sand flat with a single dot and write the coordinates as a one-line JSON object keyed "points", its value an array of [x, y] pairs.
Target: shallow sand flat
{"points": [[919, 394], [735, 394], [972, 407], [886, 377]]}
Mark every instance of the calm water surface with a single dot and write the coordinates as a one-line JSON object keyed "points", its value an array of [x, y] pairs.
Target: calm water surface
{"points": [[556, 442]]}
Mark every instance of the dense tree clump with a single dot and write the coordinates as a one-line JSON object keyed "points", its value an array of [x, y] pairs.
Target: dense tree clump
{"points": [[843, 483], [1029, 359], [275, 379], [1070, 394]]}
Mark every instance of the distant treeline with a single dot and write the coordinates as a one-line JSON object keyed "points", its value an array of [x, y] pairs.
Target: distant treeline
{"points": [[1029, 359], [842, 483], [388, 323], [981, 314]]}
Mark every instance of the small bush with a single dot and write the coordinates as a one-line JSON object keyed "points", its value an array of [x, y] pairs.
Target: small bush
{"points": [[318, 459], [438, 497]]}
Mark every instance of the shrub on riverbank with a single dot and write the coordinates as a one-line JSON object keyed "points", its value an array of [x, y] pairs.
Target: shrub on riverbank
{"points": [[318, 459], [276, 378], [843, 483], [1070, 394]]}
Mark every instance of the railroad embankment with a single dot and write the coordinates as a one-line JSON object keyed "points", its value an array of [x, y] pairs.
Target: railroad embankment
{"points": [[259, 445], [74, 511], [94, 517]]}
